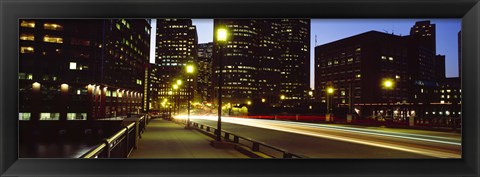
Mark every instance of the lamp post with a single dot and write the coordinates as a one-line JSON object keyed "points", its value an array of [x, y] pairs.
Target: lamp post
{"points": [[329, 93], [221, 38], [190, 69], [170, 93], [177, 105], [388, 84]]}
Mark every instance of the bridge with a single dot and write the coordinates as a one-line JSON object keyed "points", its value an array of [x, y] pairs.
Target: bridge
{"points": [[144, 137]]}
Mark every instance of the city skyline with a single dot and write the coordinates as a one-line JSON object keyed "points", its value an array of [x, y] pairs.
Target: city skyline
{"points": [[329, 30], [91, 82]]}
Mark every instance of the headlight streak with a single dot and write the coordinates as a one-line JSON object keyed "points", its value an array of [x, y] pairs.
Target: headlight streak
{"points": [[274, 125]]}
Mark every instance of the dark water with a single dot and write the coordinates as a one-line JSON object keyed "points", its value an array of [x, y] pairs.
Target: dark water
{"points": [[55, 149]]}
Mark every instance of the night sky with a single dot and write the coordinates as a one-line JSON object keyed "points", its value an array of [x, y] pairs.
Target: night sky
{"points": [[329, 30]]}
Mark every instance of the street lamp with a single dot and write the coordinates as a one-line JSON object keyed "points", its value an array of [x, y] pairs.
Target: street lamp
{"points": [[388, 84], [190, 69], [330, 90], [221, 38], [177, 104]]}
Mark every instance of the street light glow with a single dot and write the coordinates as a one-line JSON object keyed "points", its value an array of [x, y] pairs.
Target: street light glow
{"points": [[388, 83], [175, 86], [249, 102], [282, 97], [263, 100], [222, 34], [36, 85], [179, 82], [190, 68], [330, 90]]}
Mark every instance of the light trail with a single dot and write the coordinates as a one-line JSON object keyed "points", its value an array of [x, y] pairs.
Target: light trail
{"points": [[417, 143]]}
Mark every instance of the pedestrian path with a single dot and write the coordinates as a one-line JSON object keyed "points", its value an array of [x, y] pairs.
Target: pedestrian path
{"points": [[165, 139]]}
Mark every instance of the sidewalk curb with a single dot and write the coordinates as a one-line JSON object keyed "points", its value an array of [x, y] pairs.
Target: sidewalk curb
{"points": [[239, 147]]}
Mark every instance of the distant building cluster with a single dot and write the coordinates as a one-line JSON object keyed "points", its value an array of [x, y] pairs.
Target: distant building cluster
{"points": [[357, 68]]}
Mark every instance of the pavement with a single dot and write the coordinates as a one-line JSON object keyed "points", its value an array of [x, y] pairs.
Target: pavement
{"points": [[343, 141], [165, 139]]}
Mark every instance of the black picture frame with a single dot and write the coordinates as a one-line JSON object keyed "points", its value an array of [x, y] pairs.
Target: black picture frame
{"points": [[11, 11]]}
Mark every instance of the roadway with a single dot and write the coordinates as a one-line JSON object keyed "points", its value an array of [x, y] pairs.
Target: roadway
{"points": [[342, 141]]}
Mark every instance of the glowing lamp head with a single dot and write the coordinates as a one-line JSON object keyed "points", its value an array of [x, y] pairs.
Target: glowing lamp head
{"points": [[249, 103], [222, 35], [179, 82], [330, 90], [190, 69], [263, 100], [175, 86], [36, 85], [388, 83], [282, 97]]}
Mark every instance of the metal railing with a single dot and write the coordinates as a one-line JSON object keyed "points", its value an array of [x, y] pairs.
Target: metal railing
{"points": [[254, 145], [121, 144]]}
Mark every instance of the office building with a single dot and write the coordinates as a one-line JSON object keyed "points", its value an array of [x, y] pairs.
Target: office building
{"points": [[81, 69], [204, 76], [295, 61], [265, 61], [176, 46]]}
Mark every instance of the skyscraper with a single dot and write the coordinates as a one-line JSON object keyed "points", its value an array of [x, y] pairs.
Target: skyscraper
{"points": [[440, 68], [263, 60], [176, 46], [363, 61], [204, 77], [460, 54], [81, 69], [295, 61], [239, 60]]}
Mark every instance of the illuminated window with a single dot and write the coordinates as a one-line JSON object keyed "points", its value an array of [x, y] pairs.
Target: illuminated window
{"points": [[28, 24], [397, 77], [27, 37], [76, 116], [26, 49], [49, 116], [73, 66], [52, 39], [52, 26], [24, 116], [358, 49], [390, 58], [358, 76], [384, 57]]}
